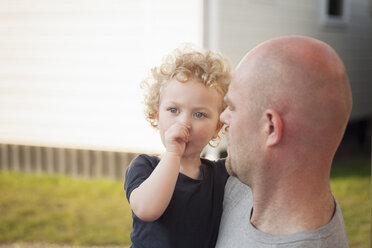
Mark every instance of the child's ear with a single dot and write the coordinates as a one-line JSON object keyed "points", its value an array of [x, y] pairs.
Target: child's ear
{"points": [[156, 121], [219, 126]]}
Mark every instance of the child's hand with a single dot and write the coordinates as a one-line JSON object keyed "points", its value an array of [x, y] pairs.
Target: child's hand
{"points": [[176, 138]]}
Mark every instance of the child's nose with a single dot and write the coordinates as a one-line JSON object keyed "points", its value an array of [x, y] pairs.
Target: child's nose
{"points": [[185, 119]]}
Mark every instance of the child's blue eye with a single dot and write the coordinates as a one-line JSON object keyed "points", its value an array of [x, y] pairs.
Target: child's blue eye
{"points": [[173, 110], [199, 115]]}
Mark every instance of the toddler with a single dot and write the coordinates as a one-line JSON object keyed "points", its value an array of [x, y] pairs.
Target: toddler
{"points": [[176, 199]]}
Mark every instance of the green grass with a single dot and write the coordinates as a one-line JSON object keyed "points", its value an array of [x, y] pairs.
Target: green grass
{"points": [[59, 209], [351, 185]]}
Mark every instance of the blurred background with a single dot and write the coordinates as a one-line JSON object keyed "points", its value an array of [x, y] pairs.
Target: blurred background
{"points": [[70, 102]]}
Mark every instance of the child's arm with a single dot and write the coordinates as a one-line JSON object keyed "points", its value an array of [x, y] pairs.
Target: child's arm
{"points": [[151, 198]]}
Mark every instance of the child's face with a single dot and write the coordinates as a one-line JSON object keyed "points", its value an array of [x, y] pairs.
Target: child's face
{"points": [[195, 105]]}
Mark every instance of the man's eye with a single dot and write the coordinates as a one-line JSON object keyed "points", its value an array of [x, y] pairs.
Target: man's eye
{"points": [[173, 110], [199, 115]]}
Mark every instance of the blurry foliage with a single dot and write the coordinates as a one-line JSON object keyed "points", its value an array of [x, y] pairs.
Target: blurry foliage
{"points": [[59, 209], [351, 185]]}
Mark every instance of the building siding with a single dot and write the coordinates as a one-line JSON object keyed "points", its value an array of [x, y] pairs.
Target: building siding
{"points": [[246, 23], [70, 70]]}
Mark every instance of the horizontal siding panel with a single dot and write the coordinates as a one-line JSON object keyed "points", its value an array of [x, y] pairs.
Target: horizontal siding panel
{"points": [[70, 70], [244, 24], [67, 5]]}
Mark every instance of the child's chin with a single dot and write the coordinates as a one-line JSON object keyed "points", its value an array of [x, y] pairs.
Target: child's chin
{"points": [[191, 151]]}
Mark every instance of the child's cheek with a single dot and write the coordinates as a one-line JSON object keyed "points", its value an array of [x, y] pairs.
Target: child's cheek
{"points": [[201, 134]]}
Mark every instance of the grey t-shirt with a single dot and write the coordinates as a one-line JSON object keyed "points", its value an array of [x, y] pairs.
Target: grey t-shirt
{"points": [[236, 229]]}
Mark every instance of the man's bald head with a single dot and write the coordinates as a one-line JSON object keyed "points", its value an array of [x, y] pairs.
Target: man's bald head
{"points": [[306, 82]]}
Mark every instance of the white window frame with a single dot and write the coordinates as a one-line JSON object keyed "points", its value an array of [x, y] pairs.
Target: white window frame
{"points": [[334, 21]]}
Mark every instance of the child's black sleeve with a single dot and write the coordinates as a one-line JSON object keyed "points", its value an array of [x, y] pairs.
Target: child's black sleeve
{"points": [[138, 171]]}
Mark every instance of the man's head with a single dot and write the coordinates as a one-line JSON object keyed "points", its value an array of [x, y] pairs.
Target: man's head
{"points": [[288, 106]]}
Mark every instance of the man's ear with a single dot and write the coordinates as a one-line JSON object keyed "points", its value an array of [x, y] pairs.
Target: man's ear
{"points": [[219, 126], [273, 127]]}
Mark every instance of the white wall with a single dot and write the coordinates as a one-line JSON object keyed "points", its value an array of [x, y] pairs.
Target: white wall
{"points": [[70, 70], [245, 23]]}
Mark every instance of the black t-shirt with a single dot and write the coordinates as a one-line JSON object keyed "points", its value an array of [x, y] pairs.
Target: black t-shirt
{"points": [[193, 215]]}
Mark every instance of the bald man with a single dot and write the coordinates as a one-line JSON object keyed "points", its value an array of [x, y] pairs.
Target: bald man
{"points": [[288, 105]]}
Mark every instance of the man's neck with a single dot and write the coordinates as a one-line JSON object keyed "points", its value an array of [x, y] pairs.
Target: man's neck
{"points": [[292, 205]]}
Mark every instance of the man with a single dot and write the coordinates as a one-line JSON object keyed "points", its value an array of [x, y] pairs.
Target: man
{"points": [[288, 105]]}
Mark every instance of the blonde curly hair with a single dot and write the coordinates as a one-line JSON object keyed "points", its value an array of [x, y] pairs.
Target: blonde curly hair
{"points": [[211, 68]]}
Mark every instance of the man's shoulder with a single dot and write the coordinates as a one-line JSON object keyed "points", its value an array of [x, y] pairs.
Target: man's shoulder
{"points": [[237, 201], [332, 234], [235, 219], [236, 191], [237, 231]]}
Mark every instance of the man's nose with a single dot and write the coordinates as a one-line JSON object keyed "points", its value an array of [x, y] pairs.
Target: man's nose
{"points": [[224, 117]]}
